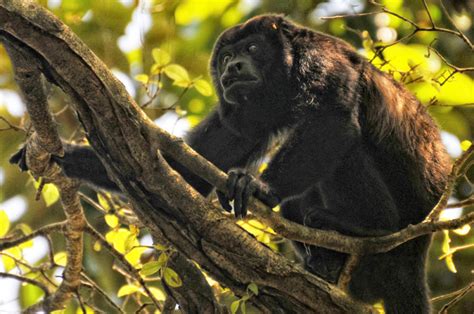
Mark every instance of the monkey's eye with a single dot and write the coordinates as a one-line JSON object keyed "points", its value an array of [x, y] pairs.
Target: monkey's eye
{"points": [[252, 48], [225, 59]]}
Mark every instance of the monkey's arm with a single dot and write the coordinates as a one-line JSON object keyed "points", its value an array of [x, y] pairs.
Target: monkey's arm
{"points": [[210, 139]]}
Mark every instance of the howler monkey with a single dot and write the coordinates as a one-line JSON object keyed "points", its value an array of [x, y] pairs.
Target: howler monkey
{"points": [[361, 156]]}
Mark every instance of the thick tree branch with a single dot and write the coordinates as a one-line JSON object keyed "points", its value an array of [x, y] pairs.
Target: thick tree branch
{"points": [[117, 130]]}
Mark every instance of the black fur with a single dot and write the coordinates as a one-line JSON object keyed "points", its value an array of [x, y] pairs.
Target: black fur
{"points": [[363, 157]]}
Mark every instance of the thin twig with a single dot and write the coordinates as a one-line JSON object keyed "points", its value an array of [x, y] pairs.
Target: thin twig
{"points": [[117, 255], [27, 280]]}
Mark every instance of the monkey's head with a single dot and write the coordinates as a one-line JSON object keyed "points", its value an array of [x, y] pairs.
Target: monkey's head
{"points": [[251, 67], [265, 69]]}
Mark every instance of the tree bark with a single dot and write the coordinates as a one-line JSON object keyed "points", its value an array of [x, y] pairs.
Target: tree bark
{"points": [[119, 132]]}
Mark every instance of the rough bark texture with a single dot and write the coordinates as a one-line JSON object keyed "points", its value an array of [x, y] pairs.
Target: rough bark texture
{"points": [[119, 132], [44, 142]]}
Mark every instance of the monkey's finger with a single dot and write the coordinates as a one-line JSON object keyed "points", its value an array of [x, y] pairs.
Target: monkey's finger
{"points": [[240, 187], [249, 190], [225, 202], [233, 177]]}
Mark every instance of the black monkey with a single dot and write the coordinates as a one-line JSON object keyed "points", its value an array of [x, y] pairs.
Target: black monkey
{"points": [[362, 155]]}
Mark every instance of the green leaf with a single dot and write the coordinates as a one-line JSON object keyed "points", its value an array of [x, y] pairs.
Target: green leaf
{"points": [[203, 87], [172, 278], [178, 74], [150, 268], [50, 194], [127, 289], [163, 259], [161, 57], [4, 223], [243, 307], [111, 220], [29, 295], [142, 78], [234, 306], [253, 287], [160, 247]]}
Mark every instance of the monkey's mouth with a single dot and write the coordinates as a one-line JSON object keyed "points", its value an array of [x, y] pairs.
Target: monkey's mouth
{"points": [[228, 80]]}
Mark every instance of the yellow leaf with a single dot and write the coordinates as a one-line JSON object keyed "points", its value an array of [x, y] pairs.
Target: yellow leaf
{"points": [[182, 83], [465, 145], [379, 308], [9, 262], [50, 194], [158, 294], [103, 202], [110, 236], [111, 220], [120, 239], [161, 57], [97, 246], [142, 78], [88, 310], [177, 73], [450, 263], [464, 230], [127, 289], [134, 229], [131, 242], [60, 258], [4, 223], [203, 87], [133, 257], [447, 240]]}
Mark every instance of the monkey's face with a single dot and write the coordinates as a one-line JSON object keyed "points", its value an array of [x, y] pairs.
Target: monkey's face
{"points": [[239, 70], [251, 73], [247, 63]]}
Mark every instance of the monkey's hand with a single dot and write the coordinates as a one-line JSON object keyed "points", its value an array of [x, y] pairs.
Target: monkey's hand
{"points": [[240, 187]]}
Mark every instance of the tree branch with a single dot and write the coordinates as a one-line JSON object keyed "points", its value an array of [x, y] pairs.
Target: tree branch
{"points": [[116, 129], [43, 143]]}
